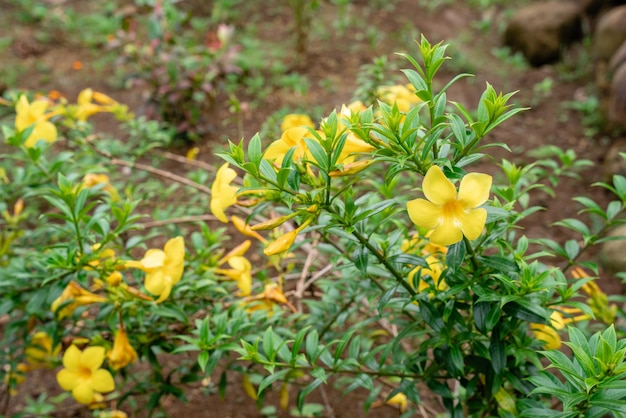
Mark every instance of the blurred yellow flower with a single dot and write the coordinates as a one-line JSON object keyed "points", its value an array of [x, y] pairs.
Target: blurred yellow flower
{"points": [[434, 270], [549, 334], [122, 353], [15, 377], [292, 137], [294, 120], [82, 374], [272, 294], [93, 179], [598, 300], [223, 195], [450, 215], [40, 352], [164, 268], [73, 296], [86, 106], [282, 243], [403, 95], [34, 113], [246, 229], [240, 271]]}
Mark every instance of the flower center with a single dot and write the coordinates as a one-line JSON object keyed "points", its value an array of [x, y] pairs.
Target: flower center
{"points": [[84, 373], [452, 210]]}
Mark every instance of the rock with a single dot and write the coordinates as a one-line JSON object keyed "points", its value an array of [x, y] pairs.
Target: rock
{"points": [[614, 252], [610, 33], [616, 114], [618, 59], [613, 161], [540, 30]]}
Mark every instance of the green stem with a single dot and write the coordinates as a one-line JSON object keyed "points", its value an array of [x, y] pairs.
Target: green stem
{"points": [[472, 253]]}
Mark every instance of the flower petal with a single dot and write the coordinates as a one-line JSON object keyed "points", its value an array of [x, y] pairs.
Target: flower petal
{"points": [[276, 151], [474, 190], [68, 379], [472, 223], [436, 186], [217, 209], [175, 250], [446, 233], [423, 213], [102, 381], [71, 358], [92, 357], [45, 131], [153, 259], [155, 282], [83, 393]]}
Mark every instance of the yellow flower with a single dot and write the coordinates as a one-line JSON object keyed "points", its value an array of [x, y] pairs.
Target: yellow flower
{"points": [[450, 215], [34, 114], [86, 106], [246, 229], [223, 195], [16, 377], [282, 243], [351, 168], [434, 270], [241, 272], [72, 297], [399, 400], [93, 179], [292, 137], [40, 351], [353, 146], [238, 251], [82, 374], [272, 294], [295, 119], [598, 300], [403, 96], [548, 335], [116, 413], [164, 268], [123, 353]]}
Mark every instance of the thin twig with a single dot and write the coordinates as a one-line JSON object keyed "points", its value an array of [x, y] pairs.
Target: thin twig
{"points": [[185, 160], [165, 174], [329, 409], [184, 219]]}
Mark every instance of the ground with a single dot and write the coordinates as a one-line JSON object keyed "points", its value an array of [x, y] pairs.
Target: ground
{"points": [[333, 59]]}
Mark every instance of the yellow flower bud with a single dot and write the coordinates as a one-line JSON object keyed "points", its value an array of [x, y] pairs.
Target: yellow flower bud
{"points": [[282, 244], [123, 353]]}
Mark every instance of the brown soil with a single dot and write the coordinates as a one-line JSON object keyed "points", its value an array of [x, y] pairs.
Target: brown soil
{"points": [[334, 59]]}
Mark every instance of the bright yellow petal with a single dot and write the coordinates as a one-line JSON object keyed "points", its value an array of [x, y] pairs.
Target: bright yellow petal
{"points": [[436, 186], [165, 293], [102, 381], [67, 379], [84, 97], [447, 233], [71, 358], [153, 259], [224, 176], [155, 282], [22, 106], [83, 393], [474, 190], [423, 213], [92, 357], [217, 209], [472, 223], [276, 151], [45, 131], [38, 108], [175, 250], [281, 244]]}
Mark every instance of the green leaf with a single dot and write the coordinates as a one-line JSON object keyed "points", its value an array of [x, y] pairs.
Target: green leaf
{"points": [[254, 150], [268, 380], [311, 344], [318, 153], [455, 255], [498, 263]]}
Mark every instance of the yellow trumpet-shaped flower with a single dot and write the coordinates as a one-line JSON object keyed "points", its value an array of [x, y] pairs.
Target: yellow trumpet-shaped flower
{"points": [[82, 374], [246, 229], [294, 120], [164, 268], [86, 106], [449, 215], [122, 353], [40, 351], [272, 294], [282, 243], [73, 296], [241, 272], [223, 195], [292, 137], [34, 114], [549, 333], [598, 300]]}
